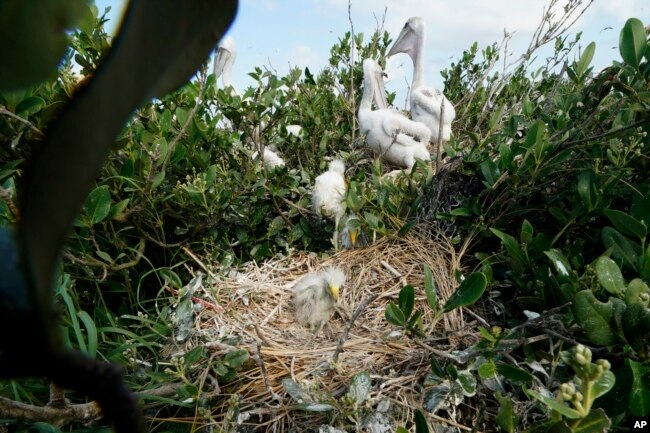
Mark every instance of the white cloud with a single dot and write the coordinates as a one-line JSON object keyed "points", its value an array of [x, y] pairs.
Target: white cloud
{"points": [[303, 56]]}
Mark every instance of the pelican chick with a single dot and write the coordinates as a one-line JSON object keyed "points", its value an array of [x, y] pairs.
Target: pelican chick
{"points": [[270, 159], [315, 296], [426, 102], [328, 195], [396, 138]]}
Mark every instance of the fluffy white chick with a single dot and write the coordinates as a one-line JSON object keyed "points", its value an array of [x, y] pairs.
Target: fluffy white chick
{"points": [[315, 297]]}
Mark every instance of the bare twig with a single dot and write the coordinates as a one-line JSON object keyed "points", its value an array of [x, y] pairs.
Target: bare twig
{"points": [[5, 112], [344, 335], [260, 364]]}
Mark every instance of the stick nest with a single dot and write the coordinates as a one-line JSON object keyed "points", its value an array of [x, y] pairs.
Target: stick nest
{"points": [[258, 307]]}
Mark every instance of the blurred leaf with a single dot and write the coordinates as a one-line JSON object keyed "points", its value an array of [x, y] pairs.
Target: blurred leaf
{"points": [[421, 425], [487, 370], [512, 246], [98, 205], [469, 291], [430, 288], [407, 300], [293, 389], [34, 39], [91, 333], [632, 42], [597, 319], [609, 275], [561, 408], [433, 397], [560, 263], [622, 248], [359, 387], [467, 382], [315, 407], [394, 315], [30, 105], [585, 59], [626, 224], [506, 418], [603, 384], [235, 358], [514, 374], [640, 392], [194, 356], [526, 234]]}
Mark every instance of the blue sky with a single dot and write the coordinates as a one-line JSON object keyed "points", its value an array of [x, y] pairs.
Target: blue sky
{"points": [[279, 33]]}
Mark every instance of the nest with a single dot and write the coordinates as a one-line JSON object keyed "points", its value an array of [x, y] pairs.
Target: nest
{"points": [[257, 307]]}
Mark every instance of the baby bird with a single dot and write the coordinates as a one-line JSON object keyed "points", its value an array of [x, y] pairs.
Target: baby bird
{"points": [[315, 295], [328, 196]]}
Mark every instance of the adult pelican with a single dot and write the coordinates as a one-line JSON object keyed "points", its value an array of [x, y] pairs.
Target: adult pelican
{"points": [[427, 103], [396, 138], [223, 61]]}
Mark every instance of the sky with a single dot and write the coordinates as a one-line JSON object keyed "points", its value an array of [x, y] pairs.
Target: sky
{"points": [[279, 34]]}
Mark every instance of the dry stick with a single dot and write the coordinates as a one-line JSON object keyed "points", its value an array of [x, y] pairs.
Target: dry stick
{"points": [[348, 326], [351, 67], [260, 364], [207, 304], [8, 113], [439, 141], [199, 262]]}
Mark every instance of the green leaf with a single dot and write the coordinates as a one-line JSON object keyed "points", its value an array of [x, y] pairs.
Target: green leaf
{"points": [[560, 263], [467, 382], [104, 256], [555, 405], [609, 275], [430, 288], [490, 172], [394, 315], [636, 326], [632, 42], [433, 397], [512, 246], [401, 429], [293, 389], [315, 407], [588, 190], [626, 224], [596, 421], [603, 384], [469, 291], [91, 333], [585, 59], [596, 318], [193, 357], [235, 358], [98, 205], [157, 179], [621, 246], [118, 208], [526, 233], [421, 425], [634, 291], [407, 300], [514, 374], [487, 370], [506, 418], [30, 105], [640, 392], [359, 387]]}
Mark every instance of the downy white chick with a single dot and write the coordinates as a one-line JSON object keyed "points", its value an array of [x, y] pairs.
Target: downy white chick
{"points": [[315, 296]]}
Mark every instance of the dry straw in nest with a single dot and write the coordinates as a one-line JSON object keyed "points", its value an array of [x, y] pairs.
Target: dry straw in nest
{"points": [[257, 307]]}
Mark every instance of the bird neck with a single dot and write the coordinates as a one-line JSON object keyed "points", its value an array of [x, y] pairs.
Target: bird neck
{"points": [[418, 62], [368, 92]]}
